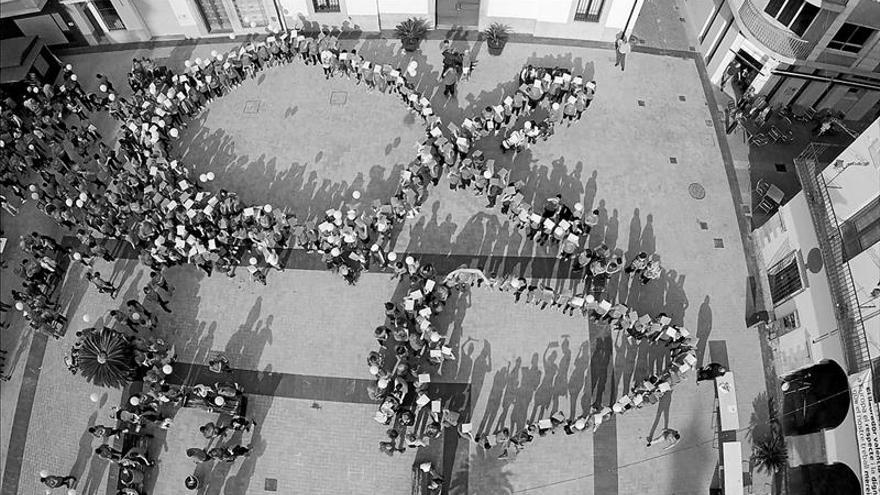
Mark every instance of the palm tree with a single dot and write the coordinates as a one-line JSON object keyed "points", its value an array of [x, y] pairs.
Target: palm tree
{"points": [[106, 358], [769, 454]]}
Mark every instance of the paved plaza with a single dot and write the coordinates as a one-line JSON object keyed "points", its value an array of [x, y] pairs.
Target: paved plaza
{"points": [[646, 154]]}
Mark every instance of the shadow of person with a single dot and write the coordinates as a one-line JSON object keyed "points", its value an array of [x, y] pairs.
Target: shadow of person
{"points": [[531, 378], [509, 398], [482, 367], [560, 383], [578, 377], [662, 411], [544, 392], [704, 328], [85, 449]]}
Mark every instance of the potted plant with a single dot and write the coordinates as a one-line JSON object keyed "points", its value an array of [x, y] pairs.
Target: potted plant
{"points": [[411, 32], [496, 37], [106, 358]]}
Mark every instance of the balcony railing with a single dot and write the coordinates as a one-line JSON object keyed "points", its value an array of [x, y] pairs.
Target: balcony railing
{"points": [[779, 40], [843, 292]]}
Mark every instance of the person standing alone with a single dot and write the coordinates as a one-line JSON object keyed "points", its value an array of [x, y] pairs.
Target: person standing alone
{"points": [[450, 78], [621, 48]]}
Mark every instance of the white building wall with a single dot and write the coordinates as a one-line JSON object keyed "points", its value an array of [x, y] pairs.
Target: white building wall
{"points": [[852, 187], [412, 7]]}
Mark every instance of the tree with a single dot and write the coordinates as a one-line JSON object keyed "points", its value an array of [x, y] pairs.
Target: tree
{"points": [[769, 454], [106, 358]]}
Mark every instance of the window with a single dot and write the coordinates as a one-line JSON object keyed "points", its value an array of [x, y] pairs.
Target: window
{"points": [[796, 15], [108, 14], [850, 38], [589, 10], [325, 5], [861, 230], [251, 13], [785, 278], [215, 16], [791, 321]]}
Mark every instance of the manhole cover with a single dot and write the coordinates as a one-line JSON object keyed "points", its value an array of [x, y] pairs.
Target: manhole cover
{"points": [[252, 106], [338, 98], [719, 243], [697, 191], [271, 485]]}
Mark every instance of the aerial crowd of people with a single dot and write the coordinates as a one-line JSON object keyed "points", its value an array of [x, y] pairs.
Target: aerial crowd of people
{"points": [[136, 192]]}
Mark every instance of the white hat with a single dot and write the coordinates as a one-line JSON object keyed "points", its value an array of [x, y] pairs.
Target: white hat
{"points": [[79, 203], [134, 401], [356, 195], [167, 369], [527, 125], [198, 61], [487, 174], [19, 306], [435, 337], [267, 208], [374, 370], [203, 177], [77, 257], [111, 97], [425, 466], [578, 207], [382, 383], [210, 175], [103, 88], [253, 260], [174, 132], [410, 260], [35, 196], [555, 106], [335, 252], [73, 77], [68, 67], [219, 400], [374, 248], [44, 473], [337, 215], [392, 256], [213, 53], [187, 63], [351, 214]]}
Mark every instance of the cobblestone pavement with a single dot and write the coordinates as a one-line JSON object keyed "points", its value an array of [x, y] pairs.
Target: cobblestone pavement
{"points": [[309, 327]]}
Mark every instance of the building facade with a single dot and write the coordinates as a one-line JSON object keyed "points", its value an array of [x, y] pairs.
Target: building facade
{"points": [[66, 22], [808, 53], [821, 251]]}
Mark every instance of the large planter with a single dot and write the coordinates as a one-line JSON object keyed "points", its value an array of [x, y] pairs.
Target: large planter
{"points": [[411, 45], [495, 48], [411, 32], [496, 37]]}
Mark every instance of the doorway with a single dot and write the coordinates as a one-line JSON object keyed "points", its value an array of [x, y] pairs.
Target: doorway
{"points": [[465, 13]]}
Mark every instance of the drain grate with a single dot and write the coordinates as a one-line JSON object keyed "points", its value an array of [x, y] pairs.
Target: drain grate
{"points": [[697, 191], [704, 226], [681, 98], [641, 103], [719, 243], [271, 485], [780, 167], [338, 98], [708, 123], [252, 107], [673, 160]]}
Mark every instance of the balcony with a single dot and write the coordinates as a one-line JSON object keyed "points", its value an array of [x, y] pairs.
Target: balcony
{"points": [[843, 292], [781, 41]]}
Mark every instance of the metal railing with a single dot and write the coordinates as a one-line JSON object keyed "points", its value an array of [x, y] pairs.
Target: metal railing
{"points": [[777, 39], [843, 291]]}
